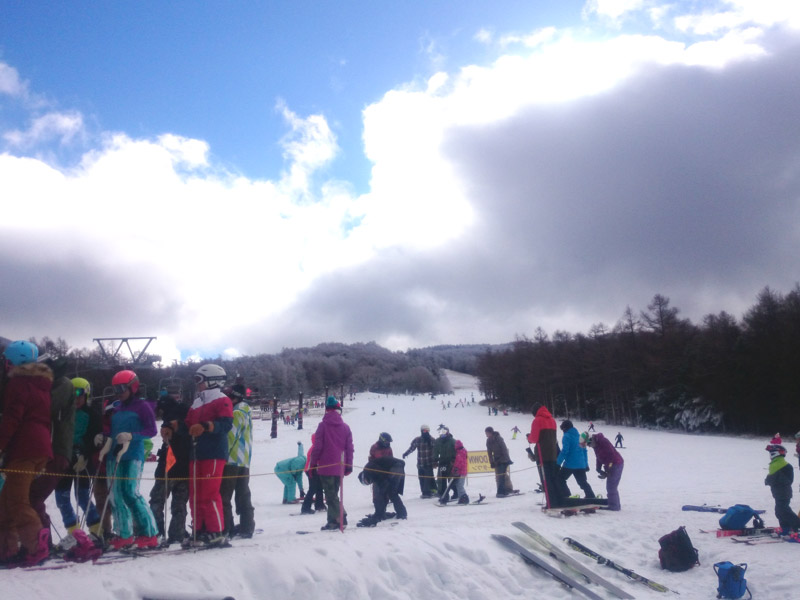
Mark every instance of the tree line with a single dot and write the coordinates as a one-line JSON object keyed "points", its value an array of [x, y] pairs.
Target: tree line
{"points": [[655, 369]]}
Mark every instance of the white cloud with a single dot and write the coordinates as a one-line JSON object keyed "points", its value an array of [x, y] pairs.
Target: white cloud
{"points": [[612, 9], [10, 82], [61, 127], [309, 145], [741, 14]]}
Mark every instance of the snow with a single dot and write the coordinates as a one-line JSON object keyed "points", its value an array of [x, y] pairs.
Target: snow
{"points": [[448, 552]]}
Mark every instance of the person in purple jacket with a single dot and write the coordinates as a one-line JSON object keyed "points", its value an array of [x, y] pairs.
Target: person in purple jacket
{"points": [[332, 457], [609, 466]]}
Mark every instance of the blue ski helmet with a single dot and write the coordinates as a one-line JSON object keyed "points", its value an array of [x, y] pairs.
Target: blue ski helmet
{"points": [[21, 352]]}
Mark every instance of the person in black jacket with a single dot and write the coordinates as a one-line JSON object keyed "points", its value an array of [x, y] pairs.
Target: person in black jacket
{"points": [[387, 475], [172, 480], [779, 480]]}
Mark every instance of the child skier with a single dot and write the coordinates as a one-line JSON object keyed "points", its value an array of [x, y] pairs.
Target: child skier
{"points": [[132, 421], [459, 473], [779, 480]]}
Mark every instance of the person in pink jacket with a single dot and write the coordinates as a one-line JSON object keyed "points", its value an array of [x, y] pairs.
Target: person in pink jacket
{"points": [[25, 448], [332, 457], [460, 467]]}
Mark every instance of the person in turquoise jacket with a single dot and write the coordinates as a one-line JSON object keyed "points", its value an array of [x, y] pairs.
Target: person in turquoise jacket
{"points": [[290, 472], [573, 458]]}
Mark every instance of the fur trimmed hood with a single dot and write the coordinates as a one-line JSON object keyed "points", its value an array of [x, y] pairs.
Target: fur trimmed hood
{"points": [[34, 369]]}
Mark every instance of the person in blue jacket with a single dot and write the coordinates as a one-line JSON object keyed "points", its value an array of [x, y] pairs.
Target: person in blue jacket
{"points": [[290, 472], [573, 458]]}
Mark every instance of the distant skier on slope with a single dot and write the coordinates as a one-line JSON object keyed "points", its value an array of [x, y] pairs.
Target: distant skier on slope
{"points": [[618, 440]]}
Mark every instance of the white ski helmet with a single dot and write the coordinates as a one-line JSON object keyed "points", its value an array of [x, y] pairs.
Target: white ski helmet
{"points": [[212, 375]]}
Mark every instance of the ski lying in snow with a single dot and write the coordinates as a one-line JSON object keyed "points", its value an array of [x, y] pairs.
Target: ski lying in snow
{"points": [[530, 558], [747, 531], [714, 509], [56, 563], [563, 557], [602, 560], [755, 540]]}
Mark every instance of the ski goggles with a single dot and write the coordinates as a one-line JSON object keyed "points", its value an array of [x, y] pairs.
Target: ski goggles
{"points": [[120, 388]]}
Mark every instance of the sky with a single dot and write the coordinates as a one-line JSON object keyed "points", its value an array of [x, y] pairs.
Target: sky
{"points": [[240, 178]]}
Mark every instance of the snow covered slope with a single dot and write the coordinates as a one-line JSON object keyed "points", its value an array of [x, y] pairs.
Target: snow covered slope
{"points": [[447, 553]]}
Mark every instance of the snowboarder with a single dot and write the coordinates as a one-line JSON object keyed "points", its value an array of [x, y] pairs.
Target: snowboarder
{"points": [[543, 434], [25, 448], [444, 453], [618, 440], [779, 480], [573, 458], [290, 472], [236, 474], [333, 458], [500, 461], [459, 473], [209, 420], [423, 444], [387, 476], [132, 421], [609, 466]]}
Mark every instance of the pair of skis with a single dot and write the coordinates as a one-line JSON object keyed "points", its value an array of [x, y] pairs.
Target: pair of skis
{"points": [[567, 561]]}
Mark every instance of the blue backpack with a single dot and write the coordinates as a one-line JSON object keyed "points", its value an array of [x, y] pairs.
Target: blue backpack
{"points": [[738, 516], [732, 583]]}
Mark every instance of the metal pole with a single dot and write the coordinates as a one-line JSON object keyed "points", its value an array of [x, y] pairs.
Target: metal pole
{"points": [[300, 413], [274, 433]]}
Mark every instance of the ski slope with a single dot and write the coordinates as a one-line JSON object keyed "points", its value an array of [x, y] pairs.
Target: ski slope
{"points": [[447, 553]]}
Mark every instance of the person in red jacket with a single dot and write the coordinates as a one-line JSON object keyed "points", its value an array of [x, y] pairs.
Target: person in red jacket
{"points": [[208, 422], [543, 434], [25, 448]]}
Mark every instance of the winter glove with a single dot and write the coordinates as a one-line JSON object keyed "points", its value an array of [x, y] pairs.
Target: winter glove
{"points": [[123, 437], [348, 470], [530, 454], [601, 474], [405, 454], [80, 464], [98, 440], [196, 430], [105, 449]]}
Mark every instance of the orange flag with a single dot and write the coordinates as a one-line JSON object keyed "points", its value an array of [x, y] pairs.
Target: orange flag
{"points": [[170, 458]]}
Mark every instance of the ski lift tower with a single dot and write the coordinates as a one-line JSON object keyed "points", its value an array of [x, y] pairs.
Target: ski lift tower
{"points": [[113, 358]]}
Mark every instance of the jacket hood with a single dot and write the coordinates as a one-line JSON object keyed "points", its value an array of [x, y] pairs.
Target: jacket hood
{"points": [[543, 412], [459, 445], [32, 370]]}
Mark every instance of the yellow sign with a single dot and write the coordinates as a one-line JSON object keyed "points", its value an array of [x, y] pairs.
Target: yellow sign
{"points": [[478, 462]]}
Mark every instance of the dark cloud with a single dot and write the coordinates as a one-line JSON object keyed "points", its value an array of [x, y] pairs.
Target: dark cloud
{"points": [[683, 181], [77, 300]]}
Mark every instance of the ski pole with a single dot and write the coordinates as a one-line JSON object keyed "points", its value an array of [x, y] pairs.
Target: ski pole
{"points": [[194, 490], [120, 451], [341, 498]]}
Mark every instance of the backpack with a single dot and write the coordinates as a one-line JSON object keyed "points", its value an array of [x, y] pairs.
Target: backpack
{"points": [[677, 552], [737, 517], [732, 583]]}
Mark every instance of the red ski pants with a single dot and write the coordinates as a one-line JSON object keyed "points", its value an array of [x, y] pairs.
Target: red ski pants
{"points": [[204, 498]]}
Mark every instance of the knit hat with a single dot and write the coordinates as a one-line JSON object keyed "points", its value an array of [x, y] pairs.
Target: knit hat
{"points": [[566, 425], [385, 438], [584, 437], [776, 440], [775, 447], [425, 428], [332, 403]]}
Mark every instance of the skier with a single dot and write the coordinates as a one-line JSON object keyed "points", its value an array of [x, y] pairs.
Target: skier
{"points": [[573, 458], [172, 472], [779, 480], [543, 434], [459, 472], [62, 426], [591, 426], [444, 453], [514, 431], [387, 476], [132, 421], [290, 472], [500, 461], [236, 474], [314, 494], [423, 444], [618, 440], [87, 426], [333, 459], [25, 448], [209, 420], [609, 467]]}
